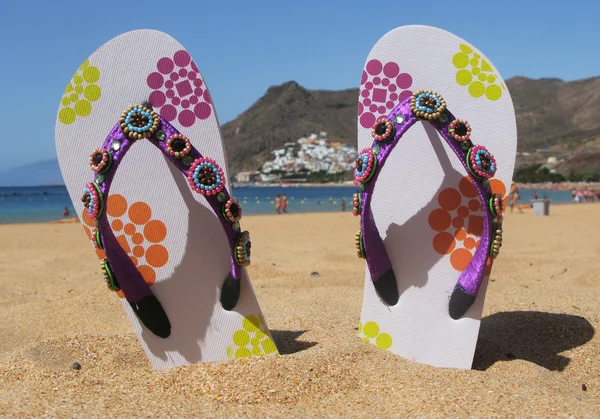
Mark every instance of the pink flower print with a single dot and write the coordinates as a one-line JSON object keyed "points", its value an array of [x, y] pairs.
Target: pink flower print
{"points": [[381, 88], [178, 90]]}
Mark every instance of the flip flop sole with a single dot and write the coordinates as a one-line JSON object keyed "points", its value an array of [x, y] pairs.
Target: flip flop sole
{"points": [[169, 231], [425, 207]]}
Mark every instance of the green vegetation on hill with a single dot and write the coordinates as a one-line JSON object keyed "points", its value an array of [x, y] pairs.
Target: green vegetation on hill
{"points": [[537, 174], [323, 177]]}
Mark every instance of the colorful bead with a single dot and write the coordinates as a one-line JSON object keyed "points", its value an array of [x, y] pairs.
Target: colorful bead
{"points": [[496, 240], [187, 161], [443, 118], [232, 211], [459, 130], [427, 104], [243, 249], [496, 205], [481, 163], [109, 276], [365, 166], [93, 200], [221, 197], [399, 119], [360, 249], [160, 135], [486, 185], [139, 122], [356, 204], [206, 177], [383, 130], [96, 239], [466, 145], [115, 145], [178, 146], [100, 160], [99, 179], [236, 227]]}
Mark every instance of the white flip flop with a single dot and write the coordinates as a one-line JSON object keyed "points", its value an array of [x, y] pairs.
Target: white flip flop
{"points": [[137, 136], [431, 194]]}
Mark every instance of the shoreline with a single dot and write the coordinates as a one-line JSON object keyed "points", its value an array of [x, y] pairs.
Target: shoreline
{"points": [[562, 186], [75, 220]]}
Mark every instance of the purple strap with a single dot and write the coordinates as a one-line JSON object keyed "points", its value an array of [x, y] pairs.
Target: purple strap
{"points": [[130, 280], [376, 255]]}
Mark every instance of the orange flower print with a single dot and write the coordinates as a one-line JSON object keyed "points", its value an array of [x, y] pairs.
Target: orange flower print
{"points": [[138, 234], [459, 222]]}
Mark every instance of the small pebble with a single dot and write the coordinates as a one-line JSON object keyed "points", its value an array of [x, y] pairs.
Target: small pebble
{"points": [[584, 387], [76, 366], [314, 274]]}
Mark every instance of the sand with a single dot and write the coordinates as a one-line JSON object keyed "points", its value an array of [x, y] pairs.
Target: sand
{"points": [[537, 355]]}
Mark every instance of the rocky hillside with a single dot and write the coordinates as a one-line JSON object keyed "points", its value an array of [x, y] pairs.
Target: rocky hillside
{"points": [[551, 113]]}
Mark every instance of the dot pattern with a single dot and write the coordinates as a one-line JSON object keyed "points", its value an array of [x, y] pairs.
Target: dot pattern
{"points": [[178, 90], [371, 333], [477, 74], [138, 234], [382, 86], [458, 222], [252, 339], [81, 91]]}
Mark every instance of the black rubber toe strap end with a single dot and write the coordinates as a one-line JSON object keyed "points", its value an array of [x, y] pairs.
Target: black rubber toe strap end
{"points": [[230, 292], [460, 302], [153, 316], [387, 288]]}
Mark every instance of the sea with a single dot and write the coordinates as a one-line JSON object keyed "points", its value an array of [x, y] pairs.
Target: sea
{"points": [[39, 204]]}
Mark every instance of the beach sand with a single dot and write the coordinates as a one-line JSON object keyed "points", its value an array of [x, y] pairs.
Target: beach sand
{"points": [[538, 354]]}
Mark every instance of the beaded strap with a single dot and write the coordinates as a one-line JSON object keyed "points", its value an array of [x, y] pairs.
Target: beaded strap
{"points": [[204, 176], [480, 166]]}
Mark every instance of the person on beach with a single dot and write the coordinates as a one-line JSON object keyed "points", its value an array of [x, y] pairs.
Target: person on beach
{"points": [[66, 212], [534, 196], [343, 202], [579, 197], [278, 204], [514, 198], [284, 203]]}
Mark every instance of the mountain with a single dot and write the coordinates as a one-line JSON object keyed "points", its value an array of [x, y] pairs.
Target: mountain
{"points": [[287, 113], [46, 172], [551, 113]]}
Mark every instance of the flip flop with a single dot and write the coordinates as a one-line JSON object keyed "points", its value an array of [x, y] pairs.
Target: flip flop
{"points": [[432, 190], [138, 136]]}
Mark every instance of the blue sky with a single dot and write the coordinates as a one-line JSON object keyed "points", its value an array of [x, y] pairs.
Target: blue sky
{"points": [[243, 47]]}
